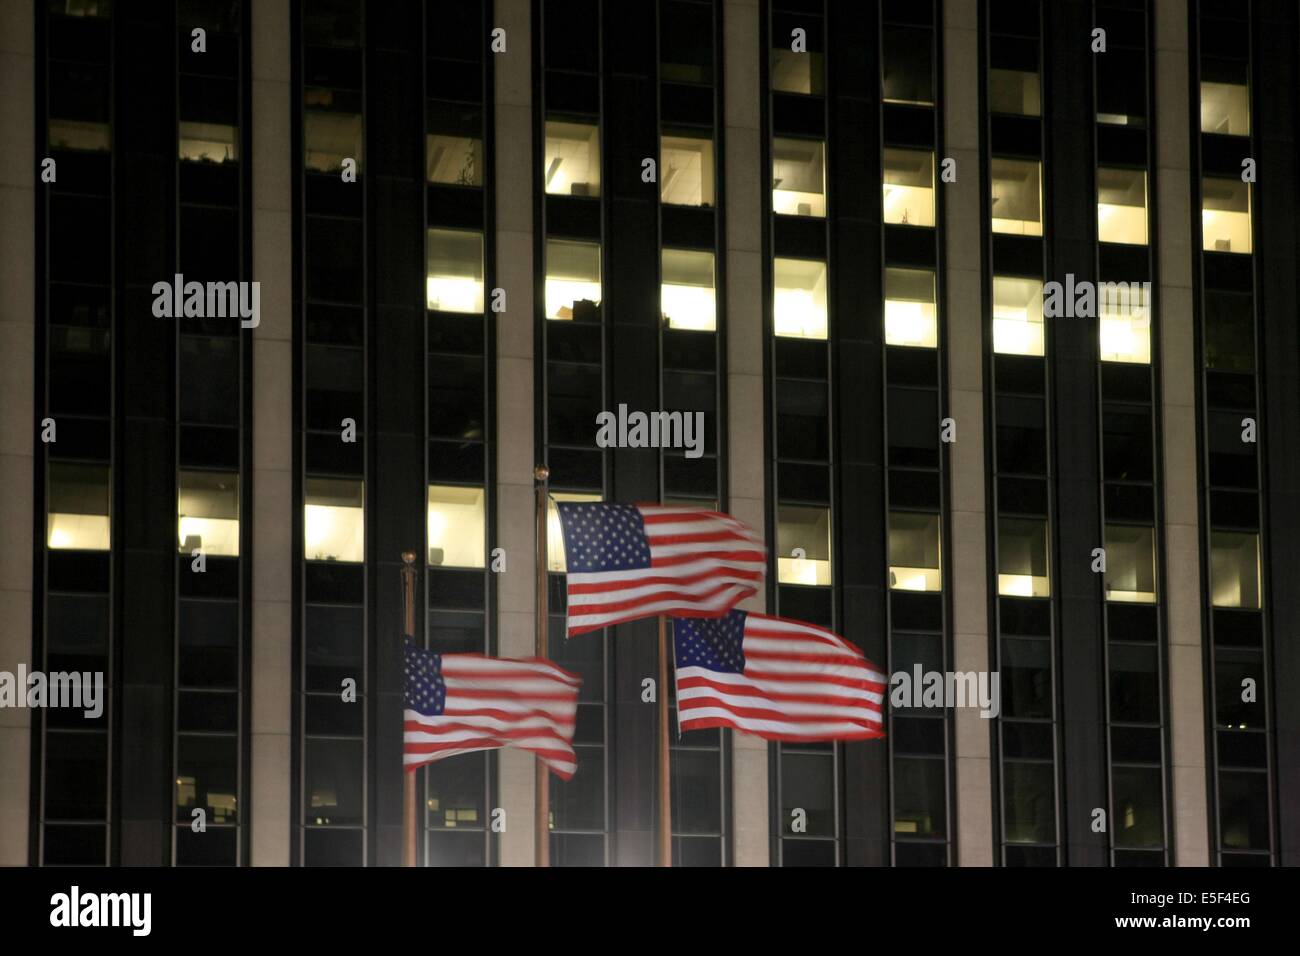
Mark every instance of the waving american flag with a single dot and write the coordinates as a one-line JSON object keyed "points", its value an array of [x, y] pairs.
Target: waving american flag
{"points": [[776, 679], [459, 703], [626, 562]]}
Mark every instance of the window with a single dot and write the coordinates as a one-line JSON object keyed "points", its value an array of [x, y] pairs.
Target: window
{"points": [[1014, 91], [799, 298], [1122, 205], [686, 42], [798, 177], [455, 271], [1022, 558], [803, 537], [796, 72], [909, 187], [1225, 215], [1017, 196], [572, 159], [454, 160], [1229, 331], [207, 512], [208, 143], [909, 308], [572, 280], [1234, 569], [687, 295], [78, 507], [79, 134], [1225, 109], [334, 520], [905, 52], [456, 527], [1130, 564], [1017, 316], [329, 136], [1124, 315], [686, 170], [555, 531], [914, 552]]}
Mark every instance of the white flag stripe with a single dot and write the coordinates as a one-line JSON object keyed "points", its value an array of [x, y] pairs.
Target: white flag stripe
{"points": [[687, 569], [631, 594], [732, 552], [813, 731], [847, 710], [517, 687], [784, 645], [720, 526], [800, 688], [561, 724], [722, 601], [805, 667], [519, 672]]}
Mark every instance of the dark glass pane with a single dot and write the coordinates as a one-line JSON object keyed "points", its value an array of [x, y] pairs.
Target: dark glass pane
{"points": [[1026, 678], [920, 797], [1029, 802], [1134, 684], [333, 643], [696, 792], [579, 803], [217, 846], [326, 847], [334, 774], [456, 791], [206, 778], [1243, 810], [209, 643], [76, 776], [1138, 796], [807, 794], [450, 848]]}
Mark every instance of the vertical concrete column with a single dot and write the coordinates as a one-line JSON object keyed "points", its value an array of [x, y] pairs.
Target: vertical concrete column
{"points": [[964, 309], [1182, 551], [272, 785], [18, 184], [516, 455], [743, 204]]}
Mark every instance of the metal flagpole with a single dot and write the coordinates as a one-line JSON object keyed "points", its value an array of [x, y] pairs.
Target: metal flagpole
{"points": [[665, 782], [542, 822], [408, 805]]}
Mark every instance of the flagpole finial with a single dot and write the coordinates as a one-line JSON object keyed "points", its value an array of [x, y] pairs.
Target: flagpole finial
{"points": [[541, 473], [408, 557]]}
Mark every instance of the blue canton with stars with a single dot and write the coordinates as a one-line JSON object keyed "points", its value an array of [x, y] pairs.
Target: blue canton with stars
{"points": [[426, 691], [603, 537], [715, 644]]}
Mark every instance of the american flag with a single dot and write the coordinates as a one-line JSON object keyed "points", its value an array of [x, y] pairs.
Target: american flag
{"points": [[626, 562], [459, 703], [775, 679]]}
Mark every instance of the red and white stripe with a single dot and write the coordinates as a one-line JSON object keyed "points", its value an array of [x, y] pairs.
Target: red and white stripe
{"points": [[702, 564], [800, 683], [498, 702]]}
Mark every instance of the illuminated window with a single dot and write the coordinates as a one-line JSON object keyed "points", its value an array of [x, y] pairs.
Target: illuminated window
{"points": [[1124, 320], [572, 159], [1017, 316], [454, 160], [1122, 205], [334, 520], [909, 187], [208, 143], [909, 308], [687, 296], [799, 177], [796, 72], [914, 552], [1225, 109], [1022, 558], [456, 527], [686, 170], [572, 280], [1014, 91], [803, 541], [1017, 196], [79, 134], [555, 531], [1234, 569], [328, 136], [799, 298], [455, 271], [1225, 215], [78, 507], [1130, 564], [207, 512]]}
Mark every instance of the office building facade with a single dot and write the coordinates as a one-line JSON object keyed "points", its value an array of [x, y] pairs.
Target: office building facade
{"points": [[989, 308]]}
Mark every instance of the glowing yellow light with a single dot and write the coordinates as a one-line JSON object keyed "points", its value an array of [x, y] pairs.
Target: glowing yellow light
{"points": [[453, 294]]}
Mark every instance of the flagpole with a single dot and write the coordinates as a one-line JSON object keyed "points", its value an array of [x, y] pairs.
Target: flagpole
{"points": [[542, 822], [665, 782], [408, 804]]}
